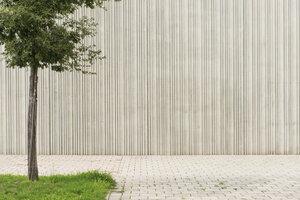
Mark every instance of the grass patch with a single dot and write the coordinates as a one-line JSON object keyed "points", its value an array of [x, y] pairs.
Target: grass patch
{"points": [[89, 185], [221, 183]]}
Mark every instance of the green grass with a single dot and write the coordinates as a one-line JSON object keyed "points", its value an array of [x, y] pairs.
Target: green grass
{"points": [[90, 185]]}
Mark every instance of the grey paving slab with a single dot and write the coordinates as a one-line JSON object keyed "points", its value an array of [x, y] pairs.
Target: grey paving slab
{"points": [[180, 177]]}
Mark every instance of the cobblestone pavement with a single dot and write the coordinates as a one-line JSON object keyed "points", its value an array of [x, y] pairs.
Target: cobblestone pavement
{"points": [[180, 177]]}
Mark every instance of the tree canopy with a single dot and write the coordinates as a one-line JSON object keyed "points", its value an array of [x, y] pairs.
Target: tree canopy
{"points": [[42, 33]]}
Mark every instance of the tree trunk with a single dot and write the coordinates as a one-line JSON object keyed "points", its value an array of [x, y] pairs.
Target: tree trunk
{"points": [[32, 116]]}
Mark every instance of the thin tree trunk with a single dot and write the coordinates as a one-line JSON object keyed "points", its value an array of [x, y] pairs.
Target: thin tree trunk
{"points": [[32, 116]]}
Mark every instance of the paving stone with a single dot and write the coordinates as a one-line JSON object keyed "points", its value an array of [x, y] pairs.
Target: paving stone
{"points": [[178, 177], [115, 196]]}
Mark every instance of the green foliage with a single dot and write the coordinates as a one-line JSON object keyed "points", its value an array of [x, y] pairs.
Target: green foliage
{"points": [[89, 185], [95, 175], [43, 34]]}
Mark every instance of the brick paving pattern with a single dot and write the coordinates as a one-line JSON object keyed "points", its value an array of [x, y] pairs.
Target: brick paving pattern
{"points": [[180, 177]]}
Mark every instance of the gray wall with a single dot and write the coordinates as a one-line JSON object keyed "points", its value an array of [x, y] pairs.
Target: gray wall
{"points": [[181, 77]]}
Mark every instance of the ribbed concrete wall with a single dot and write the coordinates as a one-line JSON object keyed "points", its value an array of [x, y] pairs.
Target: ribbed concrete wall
{"points": [[181, 77]]}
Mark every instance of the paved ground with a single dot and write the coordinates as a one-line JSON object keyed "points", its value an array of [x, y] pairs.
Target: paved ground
{"points": [[181, 177]]}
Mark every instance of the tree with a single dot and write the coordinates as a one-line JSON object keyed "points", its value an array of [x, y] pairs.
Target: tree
{"points": [[41, 34]]}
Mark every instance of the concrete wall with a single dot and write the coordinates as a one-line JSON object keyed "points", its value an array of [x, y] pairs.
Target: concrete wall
{"points": [[181, 77]]}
